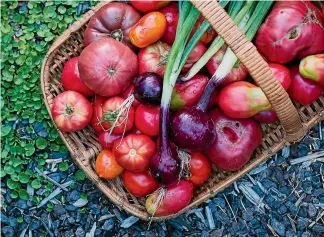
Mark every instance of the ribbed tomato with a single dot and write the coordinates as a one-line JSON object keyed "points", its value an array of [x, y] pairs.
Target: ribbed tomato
{"points": [[134, 152], [114, 20], [107, 66], [112, 115], [71, 111]]}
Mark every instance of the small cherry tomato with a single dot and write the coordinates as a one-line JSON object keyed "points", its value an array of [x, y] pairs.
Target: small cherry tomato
{"points": [[147, 119], [139, 184], [149, 6], [302, 90], [149, 29], [107, 140], [199, 168], [97, 102], [109, 115], [282, 74], [134, 152], [106, 165], [194, 56], [71, 111], [71, 78], [171, 13]]}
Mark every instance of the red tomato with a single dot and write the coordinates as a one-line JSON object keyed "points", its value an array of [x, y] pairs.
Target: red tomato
{"points": [[149, 29], [71, 111], [302, 90], [323, 12], [268, 116], [134, 152], [71, 78], [139, 184], [171, 13], [208, 36], [97, 102], [199, 168], [153, 58], [107, 66], [188, 93], [113, 20], [109, 113], [130, 91], [106, 165], [149, 6], [147, 119], [106, 140], [282, 74], [177, 197], [194, 56]]}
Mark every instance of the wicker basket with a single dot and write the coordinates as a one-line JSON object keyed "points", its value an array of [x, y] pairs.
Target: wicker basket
{"points": [[83, 145]]}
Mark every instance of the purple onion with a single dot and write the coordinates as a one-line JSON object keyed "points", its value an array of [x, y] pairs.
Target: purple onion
{"points": [[148, 88]]}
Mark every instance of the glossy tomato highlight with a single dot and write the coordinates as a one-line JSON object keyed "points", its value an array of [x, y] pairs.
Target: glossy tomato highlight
{"points": [[171, 13], [147, 119], [106, 165], [149, 6], [199, 168], [71, 111], [149, 29], [139, 184]]}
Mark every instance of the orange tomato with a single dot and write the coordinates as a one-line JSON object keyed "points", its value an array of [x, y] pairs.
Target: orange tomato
{"points": [[149, 29], [107, 166]]}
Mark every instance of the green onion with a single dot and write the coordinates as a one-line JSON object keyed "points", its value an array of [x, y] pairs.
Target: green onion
{"points": [[237, 13]]}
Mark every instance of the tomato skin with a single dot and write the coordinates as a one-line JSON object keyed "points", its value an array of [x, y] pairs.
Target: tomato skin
{"points": [[139, 184], [106, 75], [282, 74], [194, 56], [177, 197], [147, 119], [106, 140], [106, 165], [269, 116], [153, 58], [149, 6], [171, 13], [199, 168], [134, 152], [71, 111], [113, 20], [302, 90], [109, 112], [71, 78], [130, 91], [97, 102], [188, 93], [149, 29]]}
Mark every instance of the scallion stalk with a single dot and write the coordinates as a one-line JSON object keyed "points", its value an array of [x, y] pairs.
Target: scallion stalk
{"points": [[229, 60], [237, 13]]}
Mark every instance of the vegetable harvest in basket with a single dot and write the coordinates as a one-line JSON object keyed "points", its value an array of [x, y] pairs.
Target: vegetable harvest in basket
{"points": [[169, 99]]}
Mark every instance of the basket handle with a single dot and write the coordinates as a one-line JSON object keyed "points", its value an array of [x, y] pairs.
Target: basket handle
{"points": [[256, 65]]}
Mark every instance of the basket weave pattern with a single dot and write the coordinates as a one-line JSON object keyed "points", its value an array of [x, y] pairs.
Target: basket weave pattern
{"points": [[84, 147]]}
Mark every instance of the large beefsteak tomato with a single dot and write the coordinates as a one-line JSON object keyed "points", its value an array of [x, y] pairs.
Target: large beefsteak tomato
{"points": [[107, 66], [115, 20]]}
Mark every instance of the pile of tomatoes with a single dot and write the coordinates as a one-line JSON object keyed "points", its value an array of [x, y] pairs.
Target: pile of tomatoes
{"points": [[115, 86], [101, 79]]}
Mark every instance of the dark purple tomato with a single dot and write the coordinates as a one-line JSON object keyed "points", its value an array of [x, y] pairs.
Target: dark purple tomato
{"points": [[192, 129], [148, 88]]}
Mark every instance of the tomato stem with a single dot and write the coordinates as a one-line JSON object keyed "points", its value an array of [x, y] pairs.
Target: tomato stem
{"points": [[117, 35], [69, 110]]}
